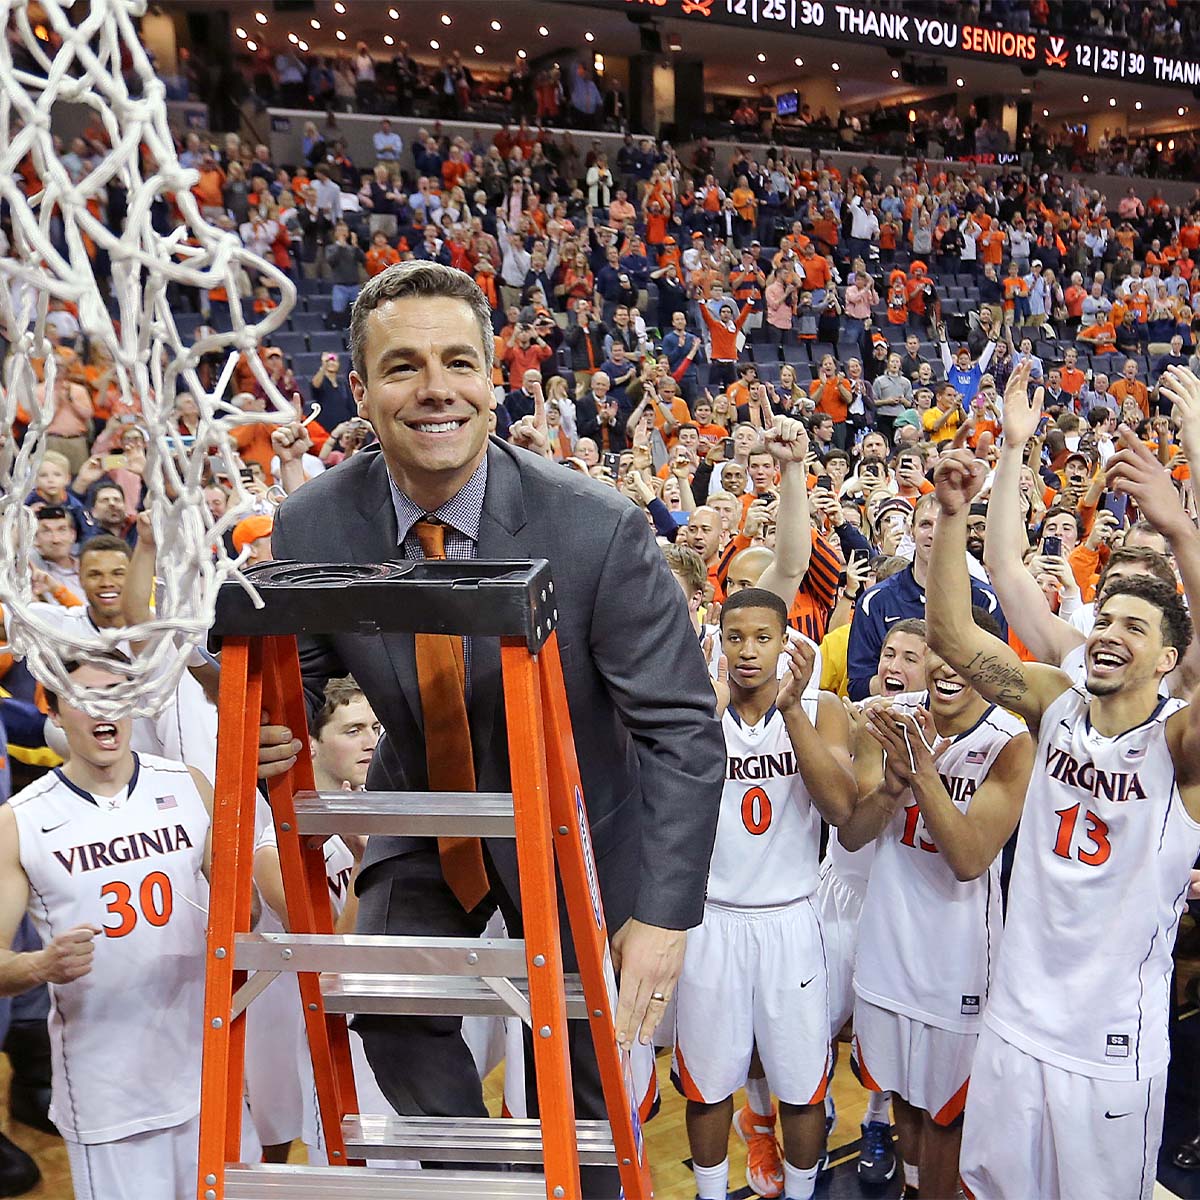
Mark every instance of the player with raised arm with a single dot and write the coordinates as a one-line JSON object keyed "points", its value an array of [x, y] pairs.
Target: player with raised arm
{"points": [[942, 792], [1068, 1081], [754, 972], [109, 855]]}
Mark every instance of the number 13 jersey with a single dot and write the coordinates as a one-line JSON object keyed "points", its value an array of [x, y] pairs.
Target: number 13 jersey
{"points": [[768, 832], [124, 1039], [1098, 885]]}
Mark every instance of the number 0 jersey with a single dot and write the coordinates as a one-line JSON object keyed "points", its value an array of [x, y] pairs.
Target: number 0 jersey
{"points": [[927, 942], [768, 833], [125, 1038], [1099, 882]]}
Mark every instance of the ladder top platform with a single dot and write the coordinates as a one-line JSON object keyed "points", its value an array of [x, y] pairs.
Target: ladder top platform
{"points": [[470, 598]]}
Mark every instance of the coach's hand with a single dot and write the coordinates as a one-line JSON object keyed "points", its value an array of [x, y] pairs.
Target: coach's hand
{"points": [[67, 958], [648, 960], [277, 749]]}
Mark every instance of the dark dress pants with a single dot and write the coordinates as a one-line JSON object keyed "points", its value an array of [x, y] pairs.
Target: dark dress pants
{"points": [[422, 1064]]}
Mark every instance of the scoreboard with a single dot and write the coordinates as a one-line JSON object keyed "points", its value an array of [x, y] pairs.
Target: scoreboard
{"points": [[853, 24]]}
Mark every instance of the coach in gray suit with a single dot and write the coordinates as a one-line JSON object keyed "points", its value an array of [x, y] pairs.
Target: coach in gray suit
{"points": [[650, 748]]}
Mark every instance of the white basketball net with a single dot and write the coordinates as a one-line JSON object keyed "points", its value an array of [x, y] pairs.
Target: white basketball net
{"points": [[150, 359]]}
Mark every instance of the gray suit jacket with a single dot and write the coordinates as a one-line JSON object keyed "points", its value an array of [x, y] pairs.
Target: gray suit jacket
{"points": [[650, 749]]}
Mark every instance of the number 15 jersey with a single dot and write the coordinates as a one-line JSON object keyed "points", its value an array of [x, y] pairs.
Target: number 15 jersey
{"points": [[124, 1039], [768, 832], [1098, 885]]}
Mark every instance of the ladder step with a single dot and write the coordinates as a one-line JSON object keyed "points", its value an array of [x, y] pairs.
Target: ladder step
{"points": [[415, 814], [378, 954], [468, 1139], [430, 995], [268, 1181]]}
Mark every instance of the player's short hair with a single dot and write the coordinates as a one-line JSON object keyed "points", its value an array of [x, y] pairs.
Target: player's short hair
{"points": [[113, 659], [104, 542], [688, 565], [887, 565], [755, 597], [338, 693], [427, 280], [986, 621], [1151, 562], [913, 625], [1176, 624]]}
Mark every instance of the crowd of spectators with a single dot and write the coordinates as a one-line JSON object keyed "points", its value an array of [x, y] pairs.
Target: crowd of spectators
{"points": [[667, 304]]}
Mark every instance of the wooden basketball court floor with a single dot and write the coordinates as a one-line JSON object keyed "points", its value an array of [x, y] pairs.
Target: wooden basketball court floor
{"points": [[666, 1140]]}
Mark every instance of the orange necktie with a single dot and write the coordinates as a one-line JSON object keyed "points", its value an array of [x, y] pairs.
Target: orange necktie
{"points": [[448, 755]]}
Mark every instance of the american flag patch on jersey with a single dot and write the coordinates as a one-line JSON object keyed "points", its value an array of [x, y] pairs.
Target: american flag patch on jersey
{"points": [[164, 802], [976, 756]]}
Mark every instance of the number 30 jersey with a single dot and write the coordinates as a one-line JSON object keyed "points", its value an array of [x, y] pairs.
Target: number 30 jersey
{"points": [[125, 1038], [1098, 885], [768, 832]]}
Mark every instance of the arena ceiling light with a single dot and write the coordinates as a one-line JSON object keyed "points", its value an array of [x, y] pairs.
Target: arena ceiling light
{"points": [[445, 18], [394, 14], [302, 45], [339, 7], [522, 54], [388, 40], [1086, 98], [434, 44], [589, 36], [261, 17], [1138, 105], [762, 57], [252, 46], [751, 79], [241, 33], [543, 31], [836, 66], [959, 82], [315, 24], [895, 73], [293, 39], [1181, 110], [798, 61], [495, 26], [478, 49], [340, 35], [1045, 112]]}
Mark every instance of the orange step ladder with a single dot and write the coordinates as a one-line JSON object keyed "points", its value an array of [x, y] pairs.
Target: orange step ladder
{"points": [[340, 975]]}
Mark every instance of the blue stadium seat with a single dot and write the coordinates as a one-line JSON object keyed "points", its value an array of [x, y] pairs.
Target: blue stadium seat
{"points": [[290, 343], [318, 304], [304, 366], [307, 322], [764, 353], [795, 352], [330, 342]]}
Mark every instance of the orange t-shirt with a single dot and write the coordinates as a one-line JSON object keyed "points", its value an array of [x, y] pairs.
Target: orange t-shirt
{"points": [[828, 398]]}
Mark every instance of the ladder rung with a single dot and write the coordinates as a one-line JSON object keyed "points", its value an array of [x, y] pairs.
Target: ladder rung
{"points": [[416, 814], [380, 955], [430, 995], [268, 1181], [468, 1139]]}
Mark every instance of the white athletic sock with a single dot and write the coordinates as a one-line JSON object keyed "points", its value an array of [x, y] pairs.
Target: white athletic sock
{"points": [[758, 1092], [912, 1176], [799, 1183], [878, 1104], [712, 1182]]}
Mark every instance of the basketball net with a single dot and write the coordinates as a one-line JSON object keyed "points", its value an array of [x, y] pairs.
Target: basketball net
{"points": [[57, 228]]}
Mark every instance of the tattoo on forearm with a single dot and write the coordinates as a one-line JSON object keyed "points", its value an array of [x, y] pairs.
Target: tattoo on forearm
{"points": [[994, 677]]}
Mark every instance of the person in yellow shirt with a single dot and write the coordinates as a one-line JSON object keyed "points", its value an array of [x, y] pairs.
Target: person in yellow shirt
{"points": [[942, 421]]}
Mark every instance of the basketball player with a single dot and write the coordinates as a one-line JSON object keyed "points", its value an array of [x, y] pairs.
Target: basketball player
{"points": [[754, 972], [843, 885], [939, 818], [279, 1081], [1068, 1080], [109, 855]]}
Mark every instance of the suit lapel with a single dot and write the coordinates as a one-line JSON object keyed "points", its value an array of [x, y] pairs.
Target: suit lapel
{"points": [[502, 518], [378, 545]]}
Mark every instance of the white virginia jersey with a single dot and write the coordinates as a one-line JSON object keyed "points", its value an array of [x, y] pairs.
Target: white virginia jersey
{"points": [[927, 942], [1098, 885], [339, 866], [125, 1039], [768, 832], [852, 867]]}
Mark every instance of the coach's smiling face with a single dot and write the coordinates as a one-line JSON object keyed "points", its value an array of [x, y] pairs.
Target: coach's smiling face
{"points": [[426, 393]]}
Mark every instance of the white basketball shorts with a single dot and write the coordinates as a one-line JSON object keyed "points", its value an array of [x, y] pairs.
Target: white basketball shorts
{"points": [[838, 907], [926, 1066], [1033, 1129], [753, 976]]}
